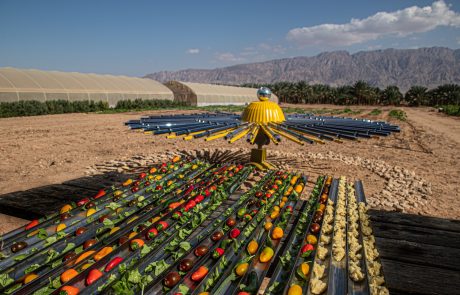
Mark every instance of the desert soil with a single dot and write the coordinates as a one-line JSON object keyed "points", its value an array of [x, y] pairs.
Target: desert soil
{"points": [[415, 171]]}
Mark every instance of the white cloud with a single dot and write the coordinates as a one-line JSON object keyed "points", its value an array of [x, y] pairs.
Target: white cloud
{"points": [[398, 23], [228, 57], [193, 51]]}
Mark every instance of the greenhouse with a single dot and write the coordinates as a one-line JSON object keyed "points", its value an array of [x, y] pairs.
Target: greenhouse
{"points": [[198, 94], [21, 84]]}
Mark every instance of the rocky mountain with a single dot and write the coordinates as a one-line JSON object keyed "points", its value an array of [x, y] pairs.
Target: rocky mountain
{"points": [[428, 67]]}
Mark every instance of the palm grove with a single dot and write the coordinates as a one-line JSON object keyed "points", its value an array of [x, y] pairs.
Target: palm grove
{"points": [[362, 93]]}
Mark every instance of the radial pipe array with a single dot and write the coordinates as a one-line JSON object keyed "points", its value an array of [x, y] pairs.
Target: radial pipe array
{"points": [[299, 128]]}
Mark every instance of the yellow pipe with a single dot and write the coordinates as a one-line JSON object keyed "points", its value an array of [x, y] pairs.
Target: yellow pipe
{"points": [[311, 137], [148, 132], [190, 135], [264, 128], [288, 136], [256, 131], [219, 135], [173, 135], [239, 135]]}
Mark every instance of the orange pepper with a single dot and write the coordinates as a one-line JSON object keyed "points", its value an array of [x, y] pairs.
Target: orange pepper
{"points": [[69, 290], [136, 244], [68, 275], [29, 278], [84, 255], [127, 182], [103, 252]]}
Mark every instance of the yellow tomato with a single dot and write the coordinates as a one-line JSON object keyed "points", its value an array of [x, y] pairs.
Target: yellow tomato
{"points": [[132, 235], [284, 199], [295, 290], [277, 233], [274, 214], [60, 227], [252, 247], [117, 193], [282, 204], [127, 182], [241, 269], [114, 229], [311, 239], [266, 255], [85, 266], [90, 212], [268, 225], [298, 188], [276, 208], [304, 268], [66, 208]]}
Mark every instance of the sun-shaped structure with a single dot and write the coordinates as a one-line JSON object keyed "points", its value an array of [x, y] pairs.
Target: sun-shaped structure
{"points": [[262, 122]]}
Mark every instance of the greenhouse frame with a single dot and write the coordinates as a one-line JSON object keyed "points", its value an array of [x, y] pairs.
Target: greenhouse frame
{"points": [[199, 94], [21, 84]]}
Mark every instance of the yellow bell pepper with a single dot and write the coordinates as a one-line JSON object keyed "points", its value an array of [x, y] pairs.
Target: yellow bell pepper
{"points": [[103, 252]]}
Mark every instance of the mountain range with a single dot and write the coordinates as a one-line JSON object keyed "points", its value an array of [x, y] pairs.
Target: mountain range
{"points": [[404, 68]]}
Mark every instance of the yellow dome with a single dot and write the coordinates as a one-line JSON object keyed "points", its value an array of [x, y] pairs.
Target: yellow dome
{"points": [[263, 111]]}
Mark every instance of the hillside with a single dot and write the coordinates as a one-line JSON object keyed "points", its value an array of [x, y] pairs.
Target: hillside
{"points": [[429, 67]]}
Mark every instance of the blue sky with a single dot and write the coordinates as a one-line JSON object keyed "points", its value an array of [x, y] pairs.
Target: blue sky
{"points": [[139, 37]]}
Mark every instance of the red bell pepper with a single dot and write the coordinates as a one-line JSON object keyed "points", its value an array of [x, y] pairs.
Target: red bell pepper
{"points": [[82, 202], [177, 215], [190, 204], [162, 225], [134, 189], [93, 276], [99, 194], [306, 250], [199, 198], [217, 253], [114, 262], [151, 233], [142, 175], [32, 224]]}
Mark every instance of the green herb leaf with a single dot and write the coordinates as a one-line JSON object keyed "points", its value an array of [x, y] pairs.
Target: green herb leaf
{"points": [[42, 234], [5, 280]]}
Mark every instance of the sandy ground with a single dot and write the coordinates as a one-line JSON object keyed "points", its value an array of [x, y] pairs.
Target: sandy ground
{"points": [[37, 151]]}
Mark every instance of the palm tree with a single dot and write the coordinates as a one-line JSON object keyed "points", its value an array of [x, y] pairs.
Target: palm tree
{"points": [[391, 95], [417, 95], [445, 94]]}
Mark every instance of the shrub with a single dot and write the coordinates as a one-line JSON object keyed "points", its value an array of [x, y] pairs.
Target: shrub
{"points": [[398, 114], [35, 108]]}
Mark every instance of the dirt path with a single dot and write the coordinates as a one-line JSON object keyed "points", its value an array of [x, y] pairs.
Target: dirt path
{"points": [[436, 122]]}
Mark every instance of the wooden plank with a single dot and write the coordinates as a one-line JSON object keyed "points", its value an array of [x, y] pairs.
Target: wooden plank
{"points": [[421, 254], [407, 278], [415, 220], [416, 234]]}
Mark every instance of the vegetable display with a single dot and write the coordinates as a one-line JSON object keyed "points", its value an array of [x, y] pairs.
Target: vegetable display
{"points": [[190, 227]]}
